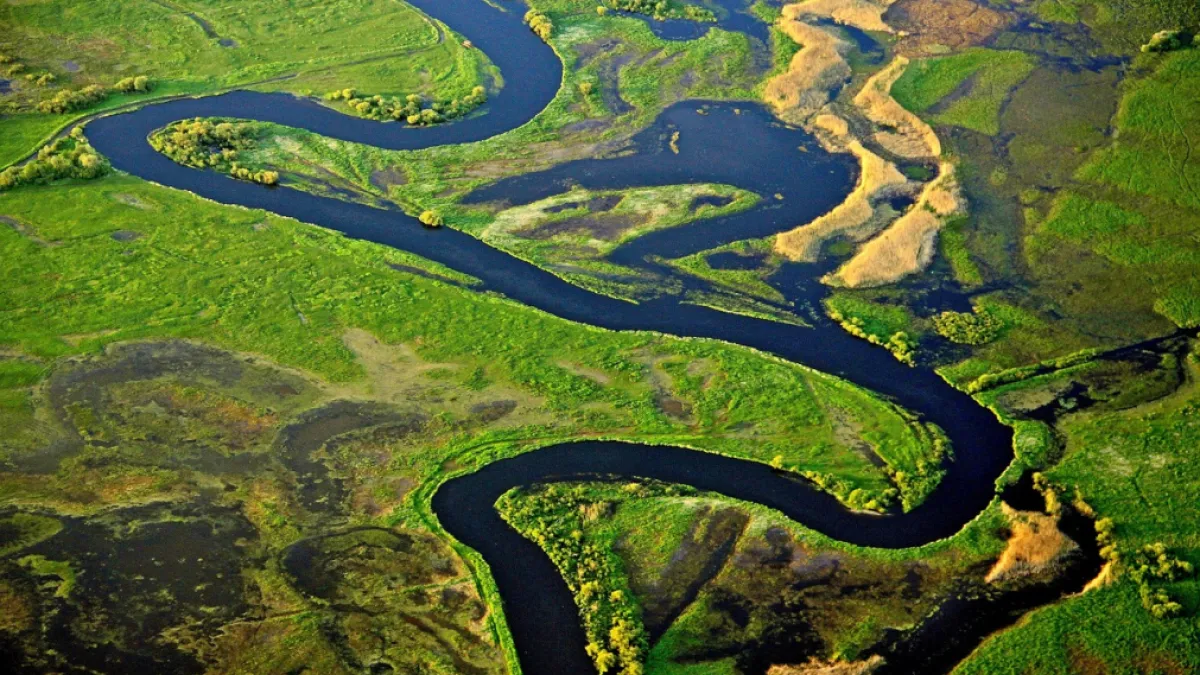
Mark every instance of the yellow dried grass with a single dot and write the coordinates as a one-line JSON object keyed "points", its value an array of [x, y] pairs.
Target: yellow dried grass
{"points": [[862, 14], [856, 217], [1036, 544], [816, 69], [908, 245], [907, 135]]}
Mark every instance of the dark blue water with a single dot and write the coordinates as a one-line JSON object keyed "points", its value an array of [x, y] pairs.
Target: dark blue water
{"points": [[749, 150]]}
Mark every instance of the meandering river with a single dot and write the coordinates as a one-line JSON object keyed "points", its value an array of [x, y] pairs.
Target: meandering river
{"points": [[747, 148]]}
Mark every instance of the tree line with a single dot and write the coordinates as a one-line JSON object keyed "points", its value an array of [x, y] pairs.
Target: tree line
{"points": [[663, 9], [540, 24], [70, 100], [67, 157], [211, 144], [412, 109], [553, 516]]}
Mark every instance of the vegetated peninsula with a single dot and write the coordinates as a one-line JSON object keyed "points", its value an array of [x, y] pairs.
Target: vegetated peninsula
{"points": [[612, 336]]}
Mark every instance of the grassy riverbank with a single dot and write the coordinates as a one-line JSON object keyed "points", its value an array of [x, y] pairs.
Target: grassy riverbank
{"points": [[198, 46], [441, 379]]}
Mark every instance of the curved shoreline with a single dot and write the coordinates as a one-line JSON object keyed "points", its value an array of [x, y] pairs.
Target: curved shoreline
{"points": [[541, 613]]}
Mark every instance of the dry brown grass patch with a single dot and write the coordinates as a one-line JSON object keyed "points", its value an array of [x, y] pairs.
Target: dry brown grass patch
{"points": [[817, 68], [858, 217], [819, 667], [904, 133], [1035, 545], [908, 245], [862, 14]]}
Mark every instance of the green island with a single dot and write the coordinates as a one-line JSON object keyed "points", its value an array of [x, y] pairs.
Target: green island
{"points": [[222, 430]]}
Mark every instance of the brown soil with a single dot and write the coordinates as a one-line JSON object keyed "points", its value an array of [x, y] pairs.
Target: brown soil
{"points": [[605, 227], [930, 26], [385, 178]]}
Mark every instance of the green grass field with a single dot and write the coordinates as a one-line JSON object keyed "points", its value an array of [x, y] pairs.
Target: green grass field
{"points": [[978, 79], [305, 46], [1135, 467]]}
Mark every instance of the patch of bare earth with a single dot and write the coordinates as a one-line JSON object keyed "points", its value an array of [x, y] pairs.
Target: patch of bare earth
{"points": [[27, 232], [931, 27]]}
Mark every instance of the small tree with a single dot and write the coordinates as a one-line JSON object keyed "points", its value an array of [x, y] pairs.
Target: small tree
{"points": [[431, 219]]}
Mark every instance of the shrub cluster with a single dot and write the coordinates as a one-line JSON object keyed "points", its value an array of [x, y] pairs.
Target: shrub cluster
{"points": [[852, 497], [431, 219], [989, 380], [968, 328], [130, 85], [210, 144], [1170, 40], [412, 108], [1153, 563], [69, 100], [67, 157], [554, 516], [663, 9], [539, 23], [900, 344]]}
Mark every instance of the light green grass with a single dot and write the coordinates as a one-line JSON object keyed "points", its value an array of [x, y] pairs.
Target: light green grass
{"points": [[382, 46], [250, 281], [1136, 468], [992, 75]]}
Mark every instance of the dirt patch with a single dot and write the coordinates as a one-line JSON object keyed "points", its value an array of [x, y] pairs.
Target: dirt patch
{"points": [[699, 557], [383, 179], [597, 376], [936, 26], [490, 411], [606, 227], [598, 204], [26, 231], [132, 200]]}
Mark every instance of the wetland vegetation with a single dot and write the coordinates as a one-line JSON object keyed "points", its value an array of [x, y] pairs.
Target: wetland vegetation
{"points": [[223, 429]]}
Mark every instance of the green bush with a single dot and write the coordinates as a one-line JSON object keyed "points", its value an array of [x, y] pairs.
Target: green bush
{"points": [[431, 219], [664, 9], [211, 144], [68, 100], [133, 84], [540, 24], [968, 328], [67, 157], [412, 108]]}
